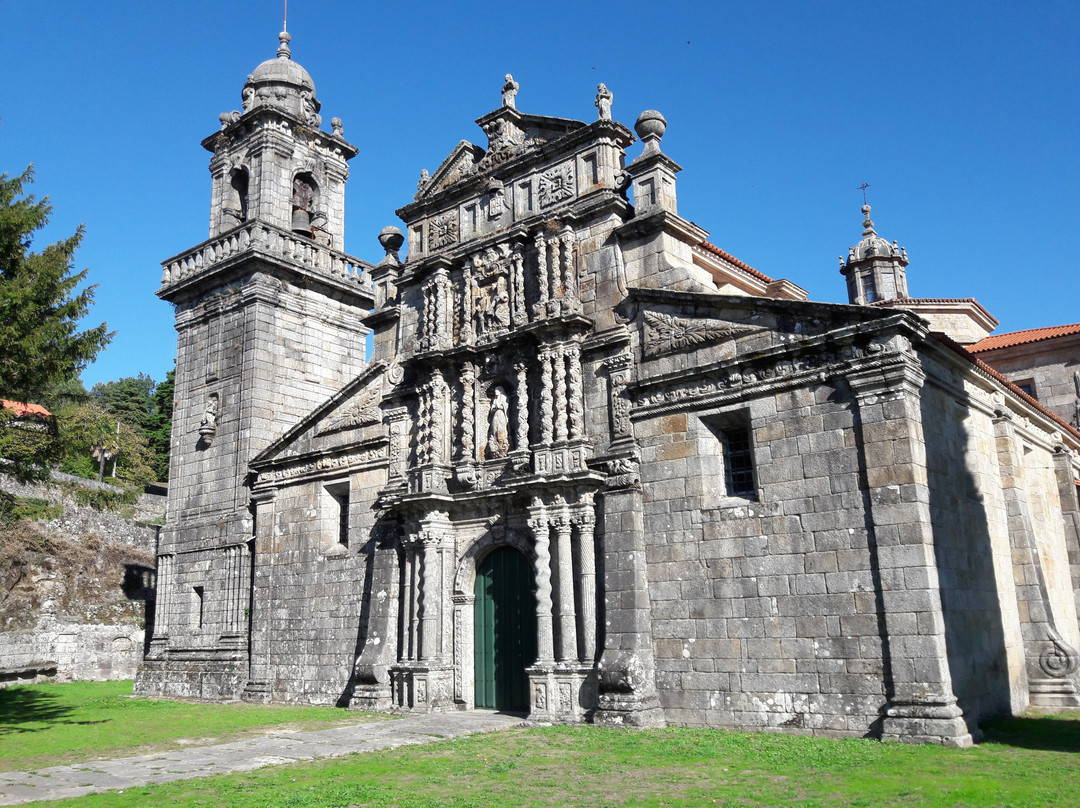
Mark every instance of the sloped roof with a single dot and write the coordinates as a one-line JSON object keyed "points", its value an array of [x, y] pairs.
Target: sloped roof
{"points": [[1023, 337], [731, 259], [997, 376], [22, 410]]}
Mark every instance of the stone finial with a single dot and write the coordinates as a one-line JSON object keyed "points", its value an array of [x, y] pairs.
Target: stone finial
{"points": [[868, 225], [509, 92], [283, 51], [391, 239], [338, 127], [650, 127], [604, 97]]}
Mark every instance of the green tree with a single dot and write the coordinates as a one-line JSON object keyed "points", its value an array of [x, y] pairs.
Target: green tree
{"points": [[98, 444], [40, 306], [129, 399], [160, 433]]}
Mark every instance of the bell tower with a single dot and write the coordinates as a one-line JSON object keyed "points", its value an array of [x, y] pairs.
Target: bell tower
{"points": [[269, 323]]}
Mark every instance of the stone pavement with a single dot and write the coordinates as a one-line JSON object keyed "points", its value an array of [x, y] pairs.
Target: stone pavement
{"points": [[58, 782]]}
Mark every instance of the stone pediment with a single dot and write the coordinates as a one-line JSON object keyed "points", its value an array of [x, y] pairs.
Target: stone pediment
{"points": [[510, 134], [460, 163], [697, 347], [352, 416]]}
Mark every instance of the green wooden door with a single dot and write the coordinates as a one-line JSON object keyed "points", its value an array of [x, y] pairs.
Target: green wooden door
{"points": [[504, 622]]}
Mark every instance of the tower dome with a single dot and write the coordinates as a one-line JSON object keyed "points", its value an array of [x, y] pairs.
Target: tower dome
{"points": [[872, 245], [875, 268], [284, 85]]}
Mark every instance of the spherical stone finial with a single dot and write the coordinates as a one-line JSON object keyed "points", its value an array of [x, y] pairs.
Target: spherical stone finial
{"points": [[391, 238], [650, 127], [338, 127], [283, 51], [868, 226]]}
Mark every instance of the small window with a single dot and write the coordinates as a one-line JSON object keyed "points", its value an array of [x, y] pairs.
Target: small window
{"points": [[738, 462], [200, 603], [727, 454], [869, 289], [337, 518], [1027, 385]]}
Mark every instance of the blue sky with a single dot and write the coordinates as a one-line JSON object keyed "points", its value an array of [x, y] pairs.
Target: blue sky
{"points": [[963, 116]]}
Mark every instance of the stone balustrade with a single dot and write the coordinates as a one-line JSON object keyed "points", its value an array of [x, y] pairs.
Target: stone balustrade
{"points": [[271, 240]]}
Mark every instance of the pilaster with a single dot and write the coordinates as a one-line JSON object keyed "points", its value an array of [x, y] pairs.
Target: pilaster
{"points": [[888, 423]]}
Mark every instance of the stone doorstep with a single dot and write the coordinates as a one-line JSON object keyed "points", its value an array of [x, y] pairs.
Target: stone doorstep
{"points": [[58, 782]]}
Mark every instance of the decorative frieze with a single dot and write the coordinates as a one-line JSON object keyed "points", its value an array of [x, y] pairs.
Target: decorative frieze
{"points": [[338, 462]]}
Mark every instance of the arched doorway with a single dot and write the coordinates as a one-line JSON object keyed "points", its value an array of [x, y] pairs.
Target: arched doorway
{"points": [[504, 623]]}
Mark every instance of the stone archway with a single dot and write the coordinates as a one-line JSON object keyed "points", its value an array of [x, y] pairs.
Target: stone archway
{"points": [[464, 601]]}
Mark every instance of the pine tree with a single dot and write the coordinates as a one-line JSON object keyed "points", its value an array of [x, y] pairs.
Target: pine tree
{"points": [[40, 306], [160, 433]]}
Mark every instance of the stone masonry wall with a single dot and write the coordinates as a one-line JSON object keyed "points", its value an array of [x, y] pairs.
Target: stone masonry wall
{"points": [[764, 610], [313, 587]]}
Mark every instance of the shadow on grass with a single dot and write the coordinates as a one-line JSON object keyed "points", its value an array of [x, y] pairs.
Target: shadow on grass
{"points": [[1052, 734], [22, 707]]}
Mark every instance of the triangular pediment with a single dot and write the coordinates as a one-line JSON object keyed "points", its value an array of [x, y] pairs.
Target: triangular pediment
{"points": [[351, 417], [459, 164], [684, 329]]}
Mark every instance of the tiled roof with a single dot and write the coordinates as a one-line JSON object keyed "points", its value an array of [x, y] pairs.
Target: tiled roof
{"points": [[22, 410], [1023, 337], [731, 259], [985, 368]]}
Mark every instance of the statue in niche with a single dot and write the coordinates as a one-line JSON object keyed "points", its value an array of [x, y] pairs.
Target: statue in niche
{"points": [[498, 443], [509, 92], [493, 306], [604, 98], [208, 425]]}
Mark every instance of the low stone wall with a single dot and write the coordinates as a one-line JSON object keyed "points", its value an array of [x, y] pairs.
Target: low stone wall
{"points": [[65, 651], [86, 621]]}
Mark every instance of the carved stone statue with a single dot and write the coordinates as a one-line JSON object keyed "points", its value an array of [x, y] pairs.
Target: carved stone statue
{"points": [[509, 92], [425, 178], [208, 425], [604, 98], [498, 443]]}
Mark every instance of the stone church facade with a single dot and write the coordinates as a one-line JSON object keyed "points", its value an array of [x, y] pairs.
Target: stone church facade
{"points": [[596, 469]]}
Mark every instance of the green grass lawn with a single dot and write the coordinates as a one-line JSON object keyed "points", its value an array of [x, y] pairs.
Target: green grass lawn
{"points": [[1024, 762], [49, 724]]}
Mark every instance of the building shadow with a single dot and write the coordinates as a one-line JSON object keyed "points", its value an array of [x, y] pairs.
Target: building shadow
{"points": [[1047, 733], [140, 583]]}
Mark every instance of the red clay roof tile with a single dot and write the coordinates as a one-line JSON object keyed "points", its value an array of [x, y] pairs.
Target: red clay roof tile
{"points": [[1023, 337], [731, 259]]}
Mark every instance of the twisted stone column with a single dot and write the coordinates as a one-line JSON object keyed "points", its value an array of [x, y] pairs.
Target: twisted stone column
{"points": [[521, 436], [547, 417], [541, 533], [558, 369], [575, 393]]}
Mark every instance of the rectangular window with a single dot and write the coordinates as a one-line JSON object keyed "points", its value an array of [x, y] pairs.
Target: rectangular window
{"points": [[1027, 385], [738, 462], [200, 602], [337, 519]]}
